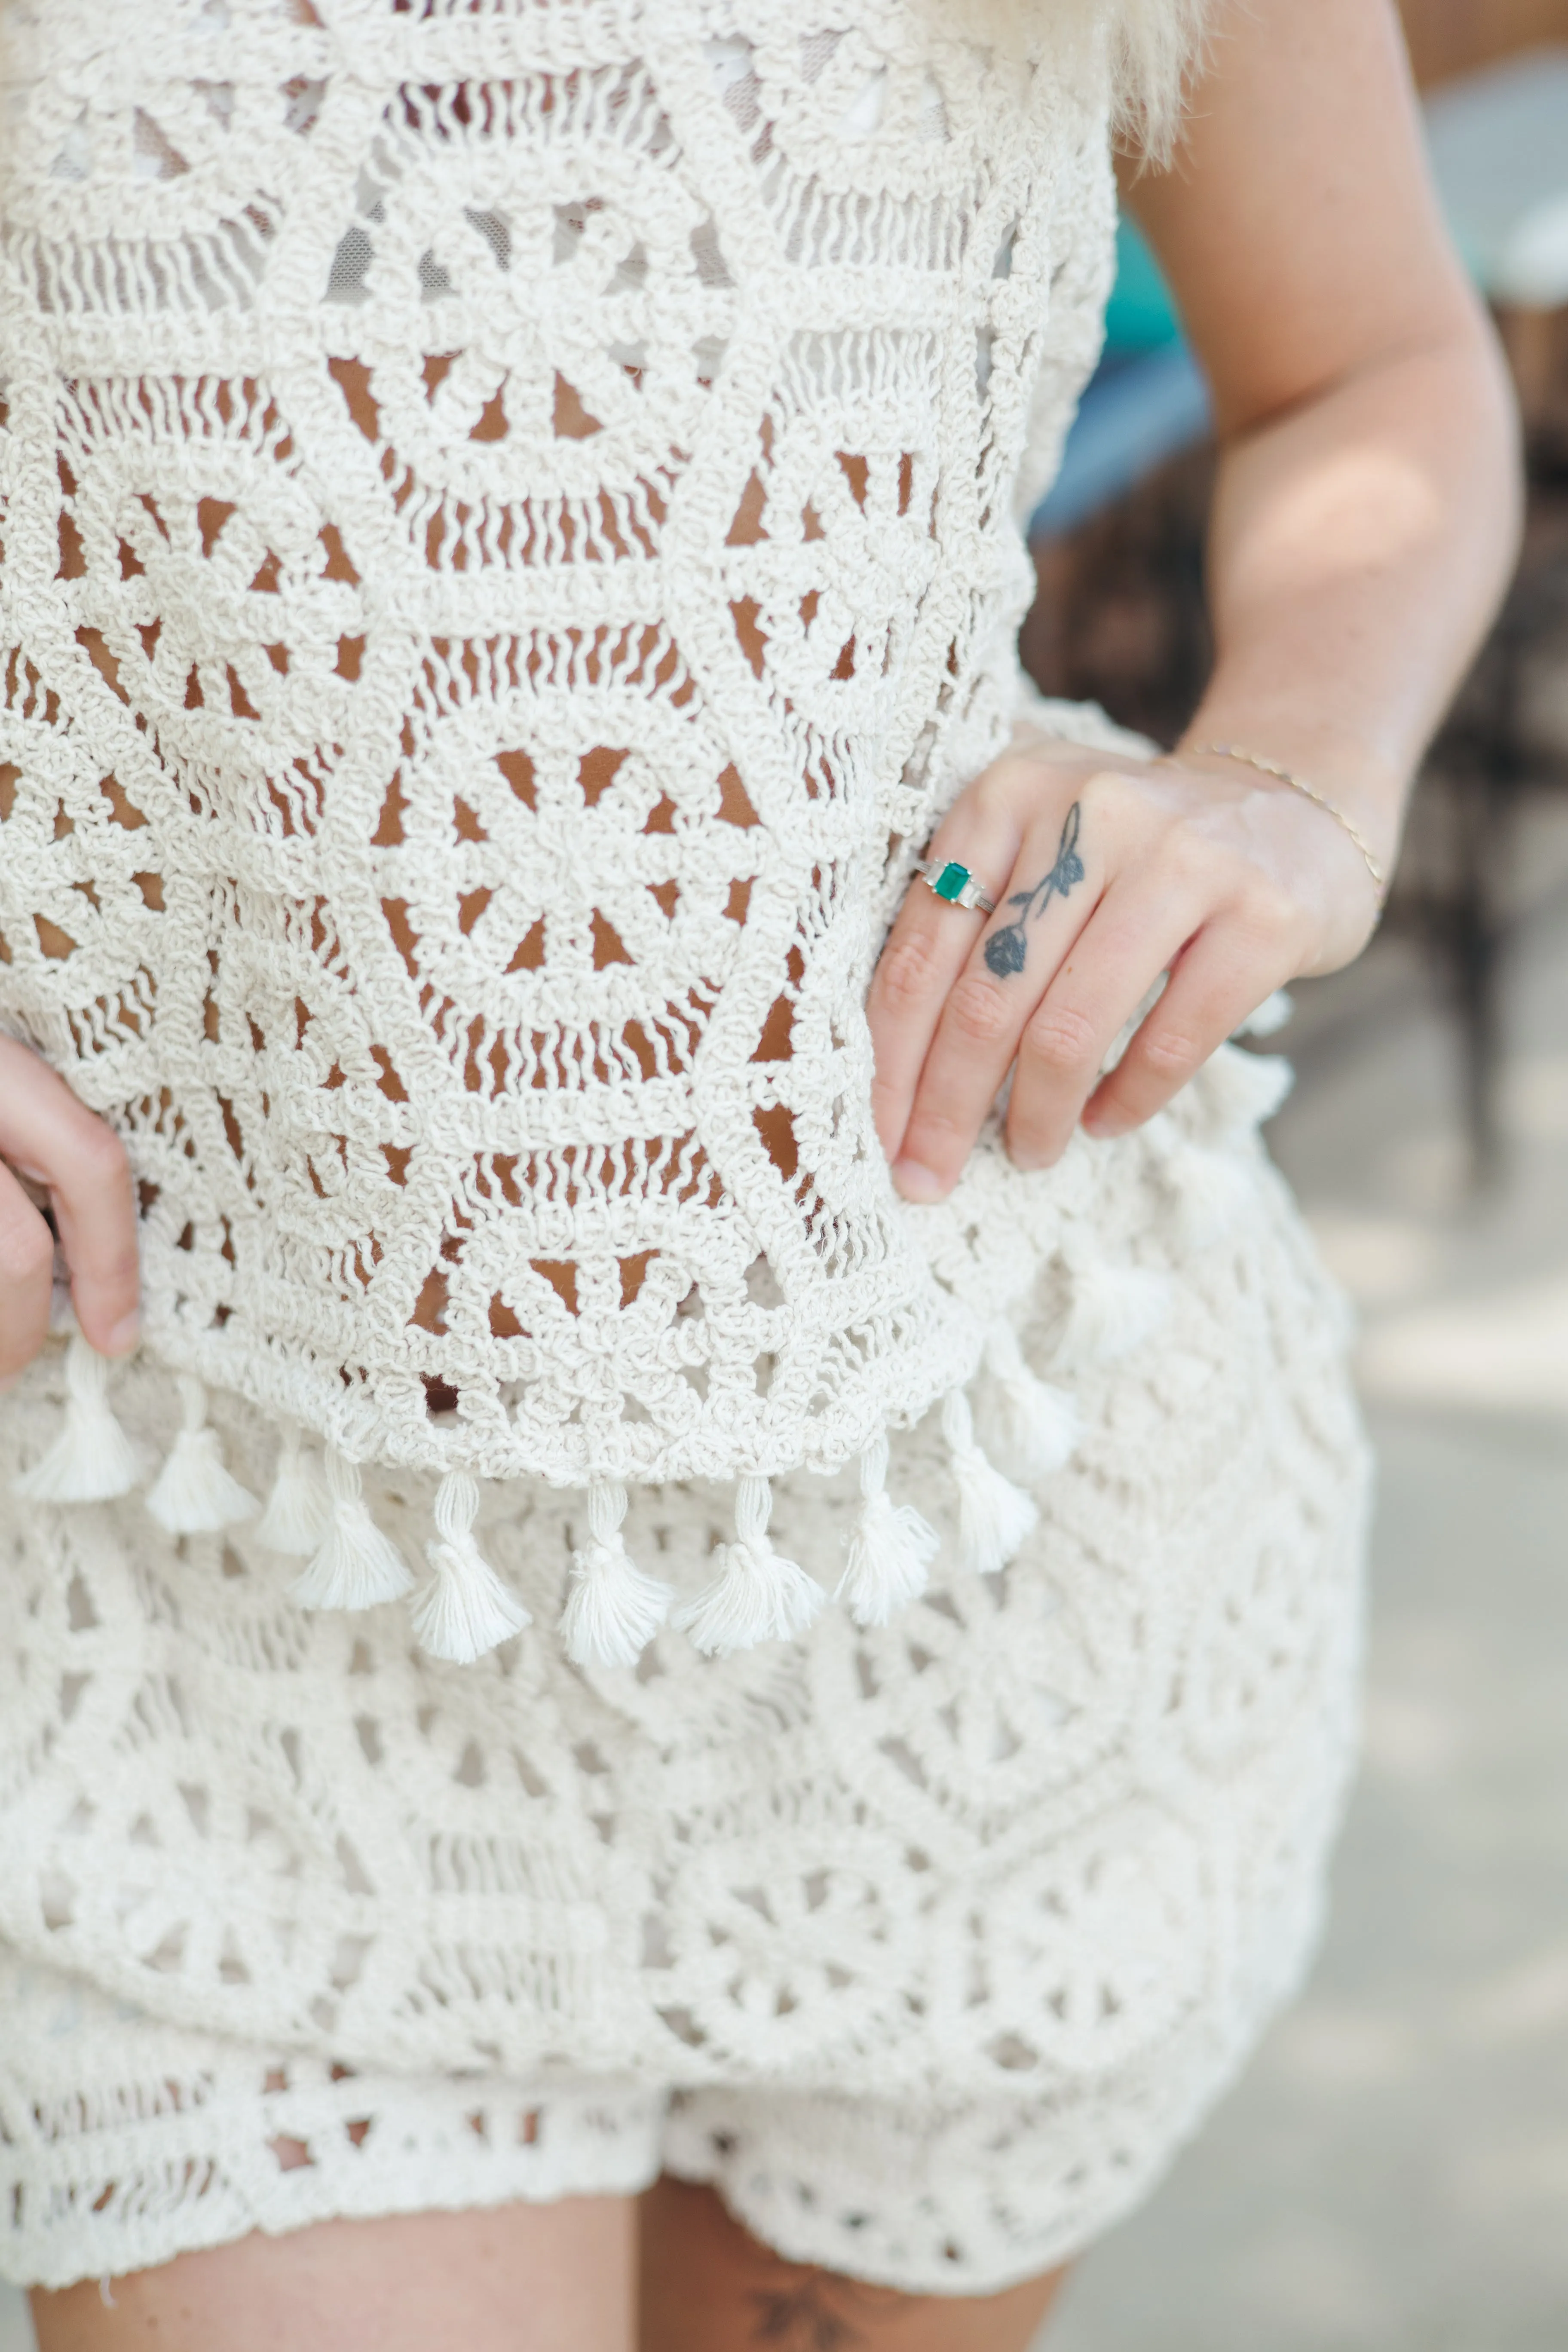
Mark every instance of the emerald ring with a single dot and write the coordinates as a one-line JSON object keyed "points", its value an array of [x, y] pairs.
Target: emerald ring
{"points": [[954, 884]]}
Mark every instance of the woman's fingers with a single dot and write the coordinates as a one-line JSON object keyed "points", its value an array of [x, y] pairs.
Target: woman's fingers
{"points": [[1123, 873], [928, 947], [1136, 931], [27, 1269], [51, 1137], [1050, 897], [1217, 981]]}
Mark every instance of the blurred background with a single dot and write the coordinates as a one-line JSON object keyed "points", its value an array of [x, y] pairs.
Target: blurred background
{"points": [[1392, 2174]]}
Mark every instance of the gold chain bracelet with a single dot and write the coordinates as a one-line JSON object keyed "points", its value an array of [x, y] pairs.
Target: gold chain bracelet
{"points": [[1309, 792]]}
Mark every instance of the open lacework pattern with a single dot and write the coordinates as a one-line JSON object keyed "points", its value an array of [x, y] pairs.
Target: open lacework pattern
{"points": [[510, 519], [944, 1932]]}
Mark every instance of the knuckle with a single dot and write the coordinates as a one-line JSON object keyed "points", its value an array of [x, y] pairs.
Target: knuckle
{"points": [[907, 974], [1170, 1054], [999, 788], [100, 1156], [995, 786], [1192, 857], [1265, 907], [1103, 788], [936, 1133], [978, 1011], [1062, 1040]]}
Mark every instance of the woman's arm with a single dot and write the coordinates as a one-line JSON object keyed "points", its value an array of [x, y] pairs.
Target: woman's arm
{"points": [[1364, 523], [1367, 502]]}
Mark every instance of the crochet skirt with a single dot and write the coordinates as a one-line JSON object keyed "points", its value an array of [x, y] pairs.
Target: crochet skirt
{"points": [[927, 1946]]}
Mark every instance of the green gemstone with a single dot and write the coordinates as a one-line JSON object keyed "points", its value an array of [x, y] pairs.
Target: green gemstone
{"points": [[952, 881]]}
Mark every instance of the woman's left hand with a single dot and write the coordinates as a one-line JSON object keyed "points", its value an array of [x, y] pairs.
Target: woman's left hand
{"points": [[1106, 873]]}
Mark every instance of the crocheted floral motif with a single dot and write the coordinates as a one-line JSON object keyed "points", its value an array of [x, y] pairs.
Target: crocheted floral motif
{"points": [[1024, 1866], [507, 548]]}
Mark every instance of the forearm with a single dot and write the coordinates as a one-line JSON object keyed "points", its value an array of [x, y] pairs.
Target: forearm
{"points": [[1359, 546]]}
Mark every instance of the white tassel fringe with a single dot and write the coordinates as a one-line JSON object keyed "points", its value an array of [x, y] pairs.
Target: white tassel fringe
{"points": [[1042, 1422], [613, 1609], [1112, 1310], [357, 1567], [466, 1608], [890, 1550], [1209, 1192], [92, 1460], [994, 1517], [300, 1507], [1239, 1090], [758, 1595], [194, 1494], [1270, 1016]]}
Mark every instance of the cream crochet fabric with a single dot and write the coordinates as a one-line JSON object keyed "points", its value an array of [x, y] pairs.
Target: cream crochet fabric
{"points": [[928, 1943], [511, 523]]}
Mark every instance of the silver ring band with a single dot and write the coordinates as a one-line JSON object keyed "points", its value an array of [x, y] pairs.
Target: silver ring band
{"points": [[954, 885]]}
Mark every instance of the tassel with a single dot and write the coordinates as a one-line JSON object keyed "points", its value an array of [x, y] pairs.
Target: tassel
{"points": [[92, 1460], [357, 1566], [1112, 1310], [890, 1551], [1270, 1016], [193, 1495], [614, 1610], [994, 1517], [466, 1608], [1237, 1090], [300, 1507], [758, 1595], [1209, 1192], [1042, 1422]]}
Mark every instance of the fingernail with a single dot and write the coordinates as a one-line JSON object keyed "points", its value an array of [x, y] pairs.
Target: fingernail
{"points": [[124, 1336], [917, 1183]]}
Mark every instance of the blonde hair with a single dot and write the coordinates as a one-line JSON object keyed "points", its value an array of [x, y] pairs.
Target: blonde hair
{"points": [[1151, 45]]}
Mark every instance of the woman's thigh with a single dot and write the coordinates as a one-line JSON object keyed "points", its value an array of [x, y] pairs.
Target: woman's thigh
{"points": [[708, 2285], [520, 2278]]}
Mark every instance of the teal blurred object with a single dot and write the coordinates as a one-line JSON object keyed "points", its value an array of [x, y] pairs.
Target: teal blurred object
{"points": [[1140, 316], [1146, 402]]}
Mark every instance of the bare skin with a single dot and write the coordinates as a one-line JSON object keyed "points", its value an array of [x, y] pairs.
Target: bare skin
{"points": [[541, 2278], [1364, 524], [57, 1152], [523, 2278], [709, 2286]]}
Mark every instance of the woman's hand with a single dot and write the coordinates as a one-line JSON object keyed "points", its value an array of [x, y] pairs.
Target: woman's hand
{"points": [[58, 1152], [1106, 873]]}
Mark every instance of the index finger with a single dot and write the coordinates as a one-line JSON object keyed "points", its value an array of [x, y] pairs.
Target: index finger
{"points": [[26, 1267], [48, 1134], [927, 949]]}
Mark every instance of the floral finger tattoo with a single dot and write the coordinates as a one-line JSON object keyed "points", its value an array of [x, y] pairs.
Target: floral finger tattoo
{"points": [[1007, 950]]}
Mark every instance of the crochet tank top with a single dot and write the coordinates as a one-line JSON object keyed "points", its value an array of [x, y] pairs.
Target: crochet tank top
{"points": [[510, 525]]}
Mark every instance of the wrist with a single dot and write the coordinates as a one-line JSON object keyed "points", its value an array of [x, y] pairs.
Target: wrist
{"points": [[1365, 790]]}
